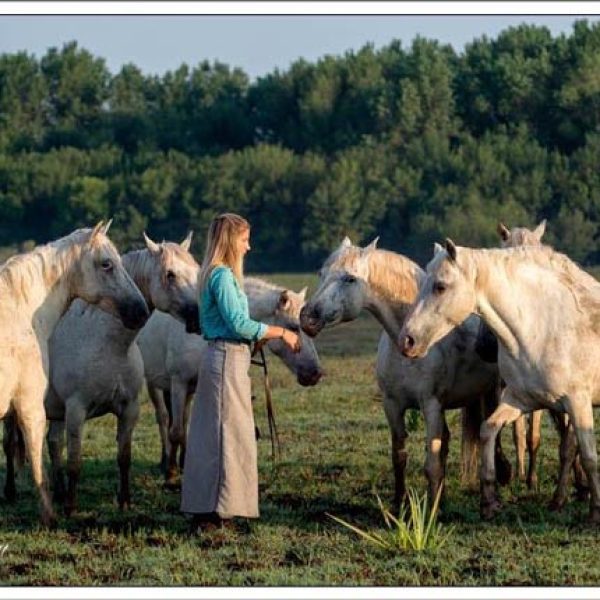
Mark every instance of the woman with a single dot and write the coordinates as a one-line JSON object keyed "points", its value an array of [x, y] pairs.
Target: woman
{"points": [[220, 479]]}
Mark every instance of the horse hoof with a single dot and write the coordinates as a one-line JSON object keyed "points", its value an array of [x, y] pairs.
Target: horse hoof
{"points": [[49, 521], [489, 511], [582, 494], [173, 485], [532, 483], [556, 505]]}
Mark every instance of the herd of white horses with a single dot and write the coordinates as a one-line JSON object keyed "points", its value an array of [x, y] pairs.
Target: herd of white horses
{"points": [[496, 332]]}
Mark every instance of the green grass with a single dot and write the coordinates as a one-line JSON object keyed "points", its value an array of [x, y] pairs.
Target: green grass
{"points": [[335, 459]]}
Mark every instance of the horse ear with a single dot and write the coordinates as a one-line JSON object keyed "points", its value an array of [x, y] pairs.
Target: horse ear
{"points": [[97, 229], [451, 249], [437, 248], [152, 246], [372, 246], [540, 230], [284, 301], [503, 231], [302, 294], [188, 241], [107, 227], [346, 242]]}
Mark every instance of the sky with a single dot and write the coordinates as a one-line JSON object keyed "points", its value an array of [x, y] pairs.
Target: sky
{"points": [[257, 44]]}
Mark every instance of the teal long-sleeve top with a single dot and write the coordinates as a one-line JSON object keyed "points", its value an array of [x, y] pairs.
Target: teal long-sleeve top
{"points": [[224, 309]]}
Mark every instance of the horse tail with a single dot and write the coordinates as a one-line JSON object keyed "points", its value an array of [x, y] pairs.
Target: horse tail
{"points": [[472, 417]]}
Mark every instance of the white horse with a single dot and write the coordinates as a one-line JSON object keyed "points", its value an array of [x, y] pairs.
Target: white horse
{"points": [[105, 374], [172, 357], [35, 290], [453, 376], [545, 312]]}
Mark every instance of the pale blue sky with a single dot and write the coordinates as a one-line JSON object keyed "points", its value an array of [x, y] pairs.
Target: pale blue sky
{"points": [[257, 44]]}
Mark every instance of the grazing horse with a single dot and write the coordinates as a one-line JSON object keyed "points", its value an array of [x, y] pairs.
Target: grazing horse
{"points": [[105, 374], [35, 290], [172, 358], [545, 313], [453, 376]]}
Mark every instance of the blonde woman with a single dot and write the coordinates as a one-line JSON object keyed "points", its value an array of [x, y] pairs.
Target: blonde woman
{"points": [[220, 479]]}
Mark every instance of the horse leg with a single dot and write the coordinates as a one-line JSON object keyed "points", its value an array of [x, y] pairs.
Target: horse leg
{"points": [[56, 441], [186, 420], [582, 418], [567, 449], [582, 490], [126, 422], [32, 421], [434, 424], [176, 433], [394, 412], [162, 418], [504, 414], [9, 444], [74, 421], [519, 437], [533, 445]]}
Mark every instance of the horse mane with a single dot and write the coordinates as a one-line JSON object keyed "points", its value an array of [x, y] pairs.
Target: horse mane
{"points": [[584, 288], [45, 263]]}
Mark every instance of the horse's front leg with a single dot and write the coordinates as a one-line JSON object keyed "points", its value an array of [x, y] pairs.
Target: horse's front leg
{"points": [[56, 442], [582, 418], [434, 425], [567, 450], [395, 413], [505, 414], [9, 443], [75, 415], [126, 422], [177, 430]]}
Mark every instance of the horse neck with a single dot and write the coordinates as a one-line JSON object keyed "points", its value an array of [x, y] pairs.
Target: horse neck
{"points": [[262, 299], [393, 286], [41, 285], [496, 288], [138, 263]]}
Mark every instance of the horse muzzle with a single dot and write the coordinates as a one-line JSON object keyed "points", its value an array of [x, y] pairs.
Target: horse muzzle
{"points": [[133, 314], [409, 348], [310, 322], [309, 378]]}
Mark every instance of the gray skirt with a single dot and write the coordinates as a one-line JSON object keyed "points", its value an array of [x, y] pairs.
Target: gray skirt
{"points": [[221, 472]]}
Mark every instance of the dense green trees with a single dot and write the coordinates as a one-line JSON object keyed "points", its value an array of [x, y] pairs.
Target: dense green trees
{"points": [[409, 143]]}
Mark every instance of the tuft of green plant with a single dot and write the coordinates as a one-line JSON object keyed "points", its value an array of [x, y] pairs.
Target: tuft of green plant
{"points": [[416, 529]]}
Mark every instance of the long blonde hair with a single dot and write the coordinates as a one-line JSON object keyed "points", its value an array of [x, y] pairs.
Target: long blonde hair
{"points": [[221, 247]]}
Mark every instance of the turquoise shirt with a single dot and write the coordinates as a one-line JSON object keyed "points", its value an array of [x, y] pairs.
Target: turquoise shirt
{"points": [[224, 309]]}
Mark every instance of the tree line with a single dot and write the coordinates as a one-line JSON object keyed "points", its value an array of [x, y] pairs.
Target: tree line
{"points": [[413, 144]]}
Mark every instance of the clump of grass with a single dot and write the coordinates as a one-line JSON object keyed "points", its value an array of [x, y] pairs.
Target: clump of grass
{"points": [[416, 529]]}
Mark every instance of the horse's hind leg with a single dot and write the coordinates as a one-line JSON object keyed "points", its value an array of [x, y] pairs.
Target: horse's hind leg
{"points": [[533, 445], [74, 421], [582, 418], [162, 418], [395, 412], [126, 423], [519, 437], [56, 442], [567, 450], [9, 444], [177, 432], [186, 420]]}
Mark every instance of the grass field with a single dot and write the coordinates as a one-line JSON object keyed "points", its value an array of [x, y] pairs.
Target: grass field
{"points": [[335, 457]]}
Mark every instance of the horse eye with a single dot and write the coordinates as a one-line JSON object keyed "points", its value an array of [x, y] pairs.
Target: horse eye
{"points": [[439, 287], [106, 264], [349, 279], [171, 275]]}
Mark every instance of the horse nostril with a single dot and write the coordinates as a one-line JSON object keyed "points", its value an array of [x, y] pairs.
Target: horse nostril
{"points": [[409, 342]]}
